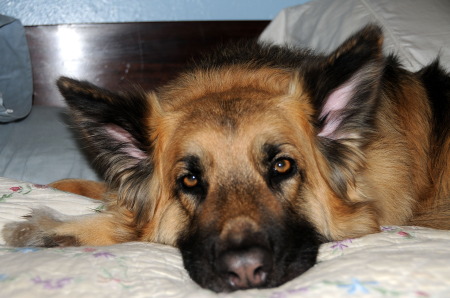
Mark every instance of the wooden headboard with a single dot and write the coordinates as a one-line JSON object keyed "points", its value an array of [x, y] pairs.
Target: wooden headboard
{"points": [[117, 55]]}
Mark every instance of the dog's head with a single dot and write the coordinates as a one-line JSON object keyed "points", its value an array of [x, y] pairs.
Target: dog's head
{"points": [[247, 162]]}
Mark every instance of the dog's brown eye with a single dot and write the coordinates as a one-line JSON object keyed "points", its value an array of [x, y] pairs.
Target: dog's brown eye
{"points": [[190, 181], [282, 166], [281, 169]]}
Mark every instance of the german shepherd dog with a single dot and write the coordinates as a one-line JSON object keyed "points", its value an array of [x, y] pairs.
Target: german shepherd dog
{"points": [[252, 158]]}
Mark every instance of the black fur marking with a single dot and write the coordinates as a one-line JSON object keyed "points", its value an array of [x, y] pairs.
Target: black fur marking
{"points": [[437, 84], [338, 157], [271, 151], [60, 241], [254, 55]]}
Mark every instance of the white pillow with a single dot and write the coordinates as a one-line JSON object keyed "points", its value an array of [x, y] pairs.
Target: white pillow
{"points": [[416, 30]]}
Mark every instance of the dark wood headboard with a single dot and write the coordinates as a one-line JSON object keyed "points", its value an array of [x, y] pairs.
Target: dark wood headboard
{"points": [[119, 54]]}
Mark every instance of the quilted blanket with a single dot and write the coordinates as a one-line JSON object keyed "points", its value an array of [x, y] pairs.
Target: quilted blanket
{"points": [[397, 262]]}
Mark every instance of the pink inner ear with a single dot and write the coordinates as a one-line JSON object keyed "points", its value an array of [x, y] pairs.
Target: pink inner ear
{"points": [[333, 109], [122, 136]]}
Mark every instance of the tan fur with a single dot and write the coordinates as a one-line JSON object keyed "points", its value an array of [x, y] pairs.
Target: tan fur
{"points": [[91, 189]]}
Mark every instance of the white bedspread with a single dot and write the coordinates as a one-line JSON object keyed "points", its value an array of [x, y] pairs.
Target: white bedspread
{"points": [[398, 262]]}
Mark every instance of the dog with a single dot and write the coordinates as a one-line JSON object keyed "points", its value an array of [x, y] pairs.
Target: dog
{"points": [[256, 155]]}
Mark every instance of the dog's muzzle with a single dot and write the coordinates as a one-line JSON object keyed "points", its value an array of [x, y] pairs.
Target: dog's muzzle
{"points": [[246, 256]]}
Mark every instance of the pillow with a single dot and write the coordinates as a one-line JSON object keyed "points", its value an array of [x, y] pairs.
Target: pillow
{"points": [[417, 31], [16, 84]]}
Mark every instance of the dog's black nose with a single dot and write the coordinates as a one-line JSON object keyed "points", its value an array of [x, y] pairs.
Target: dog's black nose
{"points": [[247, 268]]}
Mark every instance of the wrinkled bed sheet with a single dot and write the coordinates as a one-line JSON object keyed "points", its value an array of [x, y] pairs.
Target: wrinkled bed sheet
{"points": [[398, 262]]}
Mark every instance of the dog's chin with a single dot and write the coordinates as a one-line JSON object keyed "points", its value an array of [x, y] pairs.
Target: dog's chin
{"points": [[290, 253]]}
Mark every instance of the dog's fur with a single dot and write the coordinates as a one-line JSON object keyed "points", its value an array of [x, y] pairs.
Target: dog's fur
{"points": [[256, 155]]}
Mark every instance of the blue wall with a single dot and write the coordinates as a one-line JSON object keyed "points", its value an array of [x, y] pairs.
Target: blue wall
{"points": [[43, 12]]}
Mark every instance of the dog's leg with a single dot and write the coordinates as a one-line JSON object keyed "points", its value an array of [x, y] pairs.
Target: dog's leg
{"points": [[90, 189], [46, 227]]}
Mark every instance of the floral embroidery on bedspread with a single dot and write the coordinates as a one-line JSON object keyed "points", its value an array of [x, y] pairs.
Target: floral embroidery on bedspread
{"points": [[399, 231], [16, 190], [339, 246], [106, 268], [24, 189], [52, 284]]}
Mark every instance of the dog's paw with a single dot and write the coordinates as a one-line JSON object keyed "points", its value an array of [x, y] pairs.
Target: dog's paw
{"points": [[37, 230]]}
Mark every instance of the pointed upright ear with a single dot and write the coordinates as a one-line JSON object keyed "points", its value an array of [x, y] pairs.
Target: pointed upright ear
{"points": [[346, 92], [115, 129]]}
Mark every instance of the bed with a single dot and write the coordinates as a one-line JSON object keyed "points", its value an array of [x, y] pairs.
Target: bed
{"points": [[398, 261]]}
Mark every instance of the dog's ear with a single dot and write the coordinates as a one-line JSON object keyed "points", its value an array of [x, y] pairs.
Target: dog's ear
{"points": [[346, 92], [115, 128]]}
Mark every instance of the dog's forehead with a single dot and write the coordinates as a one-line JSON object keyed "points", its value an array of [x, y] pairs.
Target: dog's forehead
{"points": [[232, 112], [230, 109], [226, 81], [227, 101], [232, 132]]}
